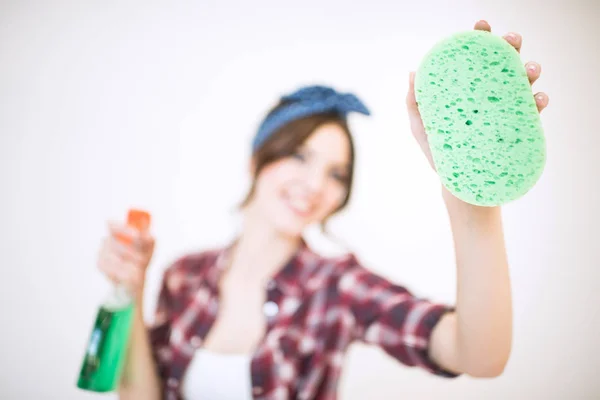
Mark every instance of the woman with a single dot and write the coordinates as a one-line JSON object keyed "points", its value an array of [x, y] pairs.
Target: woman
{"points": [[268, 318]]}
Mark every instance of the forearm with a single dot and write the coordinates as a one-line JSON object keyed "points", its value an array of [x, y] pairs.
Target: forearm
{"points": [[484, 305], [140, 380]]}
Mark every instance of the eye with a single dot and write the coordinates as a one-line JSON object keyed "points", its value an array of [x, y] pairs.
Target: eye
{"points": [[341, 177], [299, 156]]}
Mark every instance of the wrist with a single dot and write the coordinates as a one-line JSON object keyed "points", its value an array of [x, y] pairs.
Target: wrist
{"points": [[138, 298], [456, 207]]}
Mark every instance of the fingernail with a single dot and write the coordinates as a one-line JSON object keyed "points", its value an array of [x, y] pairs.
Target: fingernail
{"points": [[540, 98], [512, 37], [532, 67]]}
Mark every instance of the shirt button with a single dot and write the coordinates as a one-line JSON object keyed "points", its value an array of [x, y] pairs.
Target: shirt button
{"points": [[271, 284], [172, 382], [270, 308], [196, 341], [257, 390]]}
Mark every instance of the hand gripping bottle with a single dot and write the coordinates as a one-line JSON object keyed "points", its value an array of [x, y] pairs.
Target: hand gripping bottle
{"points": [[107, 347]]}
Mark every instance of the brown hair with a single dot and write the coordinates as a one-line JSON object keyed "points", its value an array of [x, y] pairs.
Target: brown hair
{"points": [[285, 142]]}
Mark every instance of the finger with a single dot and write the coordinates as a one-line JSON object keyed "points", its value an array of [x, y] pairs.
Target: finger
{"points": [[533, 71], [515, 40], [108, 255], [125, 252], [112, 275], [121, 272], [411, 100], [124, 233], [146, 242], [111, 266], [482, 25], [115, 256], [131, 276], [541, 101], [118, 252], [127, 235]]}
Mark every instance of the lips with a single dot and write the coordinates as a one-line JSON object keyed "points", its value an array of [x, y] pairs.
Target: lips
{"points": [[298, 206]]}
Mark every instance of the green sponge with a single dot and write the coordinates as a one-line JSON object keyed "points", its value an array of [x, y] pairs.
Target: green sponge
{"points": [[481, 120]]}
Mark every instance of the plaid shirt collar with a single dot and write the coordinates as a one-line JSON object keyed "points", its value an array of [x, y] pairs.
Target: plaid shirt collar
{"points": [[292, 280]]}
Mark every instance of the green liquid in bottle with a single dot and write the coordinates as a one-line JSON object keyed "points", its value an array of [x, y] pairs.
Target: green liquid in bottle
{"points": [[105, 354]]}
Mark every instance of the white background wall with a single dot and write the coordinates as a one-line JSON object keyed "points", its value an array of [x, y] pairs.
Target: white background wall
{"points": [[104, 105]]}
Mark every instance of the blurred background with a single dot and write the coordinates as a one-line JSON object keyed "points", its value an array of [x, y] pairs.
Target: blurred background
{"points": [[108, 105]]}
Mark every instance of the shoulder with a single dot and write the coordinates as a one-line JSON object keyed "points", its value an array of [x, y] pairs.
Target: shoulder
{"points": [[349, 274], [189, 269], [342, 270], [339, 265], [194, 262]]}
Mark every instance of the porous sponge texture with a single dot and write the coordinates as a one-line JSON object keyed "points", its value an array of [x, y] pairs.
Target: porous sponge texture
{"points": [[481, 120]]}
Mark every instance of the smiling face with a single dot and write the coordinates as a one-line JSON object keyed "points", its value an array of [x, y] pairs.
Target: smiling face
{"points": [[307, 183]]}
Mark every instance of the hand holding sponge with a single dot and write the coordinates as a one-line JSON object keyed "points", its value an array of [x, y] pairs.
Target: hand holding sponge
{"points": [[481, 119]]}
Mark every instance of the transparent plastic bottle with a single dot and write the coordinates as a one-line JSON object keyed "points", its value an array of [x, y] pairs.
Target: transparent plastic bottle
{"points": [[105, 353]]}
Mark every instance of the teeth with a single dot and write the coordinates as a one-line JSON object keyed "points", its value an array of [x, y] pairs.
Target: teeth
{"points": [[300, 205]]}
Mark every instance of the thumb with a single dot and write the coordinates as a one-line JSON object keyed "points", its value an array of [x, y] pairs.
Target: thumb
{"points": [[411, 101]]}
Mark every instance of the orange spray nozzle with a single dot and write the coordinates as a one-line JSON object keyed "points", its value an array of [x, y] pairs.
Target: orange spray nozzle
{"points": [[138, 220]]}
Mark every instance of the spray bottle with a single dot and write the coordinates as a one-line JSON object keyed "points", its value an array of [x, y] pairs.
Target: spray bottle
{"points": [[105, 354]]}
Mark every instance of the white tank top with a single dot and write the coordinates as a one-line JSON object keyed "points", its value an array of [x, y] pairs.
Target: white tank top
{"points": [[216, 376]]}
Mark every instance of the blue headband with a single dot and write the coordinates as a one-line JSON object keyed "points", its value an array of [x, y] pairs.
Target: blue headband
{"points": [[304, 102]]}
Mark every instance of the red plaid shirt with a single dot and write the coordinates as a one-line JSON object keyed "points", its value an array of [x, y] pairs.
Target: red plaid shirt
{"points": [[324, 304]]}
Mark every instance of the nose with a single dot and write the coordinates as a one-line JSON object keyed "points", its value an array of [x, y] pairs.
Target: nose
{"points": [[315, 180]]}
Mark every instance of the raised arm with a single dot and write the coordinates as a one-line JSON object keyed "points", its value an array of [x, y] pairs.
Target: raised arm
{"points": [[476, 338]]}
